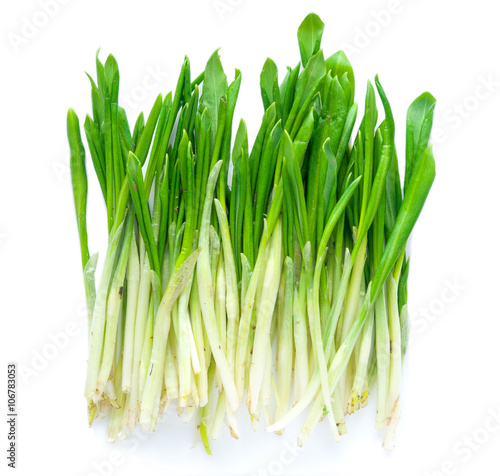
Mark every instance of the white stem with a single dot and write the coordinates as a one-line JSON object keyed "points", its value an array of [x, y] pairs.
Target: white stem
{"points": [[284, 353], [232, 299], [220, 309], [206, 295], [395, 348], [382, 342], [184, 344], [264, 316], [301, 365], [362, 365], [267, 378], [99, 317], [140, 329], [171, 379], [199, 344], [113, 309], [151, 396], [218, 419], [133, 280], [337, 367], [247, 311], [313, 308]]}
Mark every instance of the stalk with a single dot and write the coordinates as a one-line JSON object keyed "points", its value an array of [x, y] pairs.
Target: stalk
{"points": [[220, 308], [99, 317], [184, 344], [382, 344], [171, 379], [246, 316], [358, 398], [154, 379], [395, 359], [264, 317], [316, 334], [113, 306], [139, 332], [232, 299], [198, 335], [133, 281], [205, 291], [301, 368], [284, 353]]}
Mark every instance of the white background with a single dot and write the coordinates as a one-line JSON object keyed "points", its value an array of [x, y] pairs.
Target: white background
{"points": [[451, 375]]}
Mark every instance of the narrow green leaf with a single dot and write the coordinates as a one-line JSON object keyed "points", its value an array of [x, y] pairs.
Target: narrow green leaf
{"points": [[79, 181]]}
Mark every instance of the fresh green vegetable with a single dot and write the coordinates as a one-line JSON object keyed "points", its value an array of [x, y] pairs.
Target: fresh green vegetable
{"points": [[275, 272]]}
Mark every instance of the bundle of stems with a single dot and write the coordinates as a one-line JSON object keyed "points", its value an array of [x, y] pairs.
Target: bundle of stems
{"points": [[273, 276]]}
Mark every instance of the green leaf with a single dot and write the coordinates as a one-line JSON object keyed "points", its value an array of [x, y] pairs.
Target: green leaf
{"points": [[330, 183], [303, 136], [418, 188], [288, 92], [379, 182], [112, 78], [418, 130], [79, 181], [231, 96], [309, 78], [96, 152], [393, 197], [214, 87], [335, 214], [338, 109], [141, 208], [309, 36], [269, 87], [97, 103], [124, 127], [297, 188], [403, 285], [265, 178], [138, 128], [339, 65], [258, 146], [238, 189]]}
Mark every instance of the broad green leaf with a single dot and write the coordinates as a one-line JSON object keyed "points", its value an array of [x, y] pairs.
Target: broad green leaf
{"points": [[338, 108], [269, 88], [309, 36], [339, 65], [418, 130], [419, 186], [309, 78], [214, 87]]}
